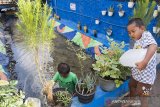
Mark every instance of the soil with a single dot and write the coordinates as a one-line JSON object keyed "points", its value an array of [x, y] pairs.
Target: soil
{"points": [[63, 54]]}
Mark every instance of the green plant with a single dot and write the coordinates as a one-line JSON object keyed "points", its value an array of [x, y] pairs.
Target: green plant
{"points": [[86, 84], [111, 9], [120, 6], [79, 26], [36, 35], [9, 96], [158, 50], [85, 28], [107, 64], [144, 10], [81, 55], [63, 97]]}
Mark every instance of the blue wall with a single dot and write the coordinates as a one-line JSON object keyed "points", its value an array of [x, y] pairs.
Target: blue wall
{"points": [[88, 10]]}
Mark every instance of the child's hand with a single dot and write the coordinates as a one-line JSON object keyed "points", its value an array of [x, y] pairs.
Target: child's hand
{"points": [[141, 65], [48, 90]]}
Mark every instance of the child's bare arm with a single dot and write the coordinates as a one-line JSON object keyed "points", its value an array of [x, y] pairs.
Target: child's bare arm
{"points": [[3, 76], [150, 52]]}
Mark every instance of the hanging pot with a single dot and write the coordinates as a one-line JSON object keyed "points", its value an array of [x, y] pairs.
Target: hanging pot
{"points": [[158, 30], [79, 26], [109, 32], [130, 4], [103, 12], [85, 28], [97, 21], [155, 13], [158, 8], [110, 13], [155, 30], [121, 13]]}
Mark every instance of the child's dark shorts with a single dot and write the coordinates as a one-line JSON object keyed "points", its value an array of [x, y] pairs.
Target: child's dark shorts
{"points": [[141, 89]]}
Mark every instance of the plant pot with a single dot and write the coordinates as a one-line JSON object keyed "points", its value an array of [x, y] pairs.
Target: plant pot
{"points": [[155, 13], [121, 13], [106, 85], [155, 30], [103, 12], [85, 98], [97, 22], [57, 102], [130, 4], [158, 30], [110, 13], [95, 33], [158, 8], [78, 26], [109, 32]]}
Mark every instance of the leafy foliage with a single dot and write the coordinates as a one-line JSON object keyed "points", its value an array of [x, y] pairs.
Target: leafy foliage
{"points": [[36, 34], [111, 9], [107, 64], [63, 97], [144, 10], [9, 96], [86, 85], [80, 54], [33, 19]]}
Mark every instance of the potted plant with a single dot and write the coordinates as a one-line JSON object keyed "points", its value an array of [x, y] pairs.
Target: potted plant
{"points": [[85, 88], [155, 29], [155, 13], [97, 21], [85, 28], [35, 40], [9, 95], [103, 12], [62, 97], [121, 11], [95, 33], [109, 31], [111, 11], [158, 7], [130, 4], [110, 72], [79, 26]]}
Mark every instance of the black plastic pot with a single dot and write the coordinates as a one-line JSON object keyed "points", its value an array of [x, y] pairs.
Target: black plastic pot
{"points": [[85, 98], [58, 103]]}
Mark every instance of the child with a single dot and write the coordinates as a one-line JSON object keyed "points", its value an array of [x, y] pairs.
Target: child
{"points": [[143, 76], [64, 77]]}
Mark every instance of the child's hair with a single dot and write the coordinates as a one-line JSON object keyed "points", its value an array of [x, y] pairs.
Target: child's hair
{"points": [[137, 21], [63, 68]]}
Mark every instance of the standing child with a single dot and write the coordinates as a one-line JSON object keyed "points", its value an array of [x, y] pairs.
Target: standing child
{"points": [[143, 76], [65, 78]]}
